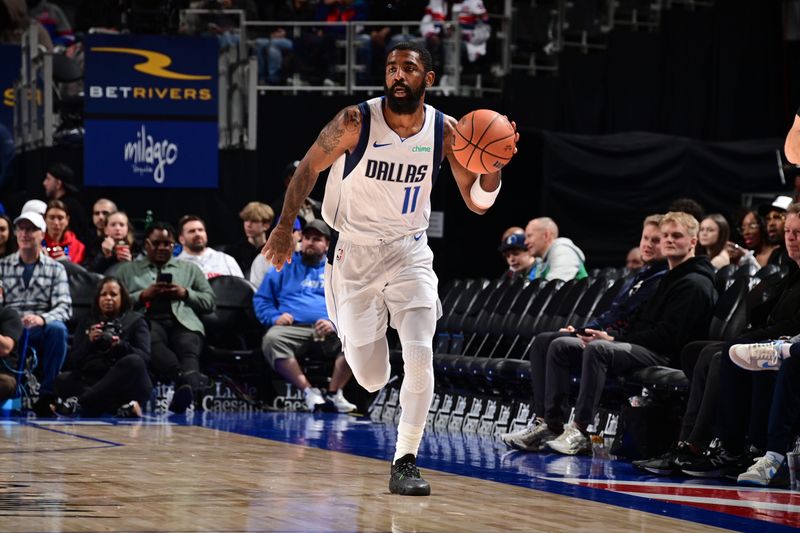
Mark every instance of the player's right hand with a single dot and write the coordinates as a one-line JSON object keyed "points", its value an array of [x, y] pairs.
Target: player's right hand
{"points": [[279, 247]]}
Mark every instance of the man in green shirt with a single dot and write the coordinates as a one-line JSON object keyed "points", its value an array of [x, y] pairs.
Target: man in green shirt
{"points": [[172, 294]]}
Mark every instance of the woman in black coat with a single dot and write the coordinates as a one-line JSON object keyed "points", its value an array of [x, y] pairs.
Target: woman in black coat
{"points": [[109, 357]]}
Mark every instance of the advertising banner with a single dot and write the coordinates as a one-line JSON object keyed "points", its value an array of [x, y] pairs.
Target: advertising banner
{"points": [[10, 61], [134, 153]]}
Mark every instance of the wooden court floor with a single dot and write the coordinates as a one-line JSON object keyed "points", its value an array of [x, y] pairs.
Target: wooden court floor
{"points": [[287, 472]]}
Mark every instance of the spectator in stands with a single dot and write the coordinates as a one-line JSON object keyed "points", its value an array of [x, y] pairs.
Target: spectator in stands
{"points": [[638, 289], [757, 250], [100, 210], [7, 245], [384, 38], [10, 335], [36, 287], [774, 214], [343, 11], [713, 238], [118, 246], [259, 268], [172, 294], [60, 242], [688, 205], [561, 259], [701, 363], [15, 20], [634, 261], [744, 397], [256, 221], [59, 184], [291, 303], [782, 357], [520, 261], [677, 313], [194, 240], [109, 358], [54, 20]]}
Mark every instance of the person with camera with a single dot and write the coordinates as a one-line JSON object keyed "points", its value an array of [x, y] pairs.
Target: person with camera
{"points": [[118, 246], [172, 294], [109, 359]]}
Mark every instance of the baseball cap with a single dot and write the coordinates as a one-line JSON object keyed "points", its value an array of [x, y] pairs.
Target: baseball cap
{"points": [[34, 218], [513, 241], [781, 203], [35, 206], [319, 226]]}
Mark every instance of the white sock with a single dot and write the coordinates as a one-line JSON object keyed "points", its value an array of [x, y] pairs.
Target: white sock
{"points": [[408, 439], [785, 349], [775, 456]]}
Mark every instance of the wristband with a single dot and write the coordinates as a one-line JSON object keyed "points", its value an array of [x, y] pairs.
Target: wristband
{"points": [[481, 198]]}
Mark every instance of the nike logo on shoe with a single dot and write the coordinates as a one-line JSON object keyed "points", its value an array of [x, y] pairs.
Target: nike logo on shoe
{"points": [[379, 145]]}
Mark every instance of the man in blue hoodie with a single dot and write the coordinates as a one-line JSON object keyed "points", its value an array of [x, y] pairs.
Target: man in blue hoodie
{"points": [[291, 302]]}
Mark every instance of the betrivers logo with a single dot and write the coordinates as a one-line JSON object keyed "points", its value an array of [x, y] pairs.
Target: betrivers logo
{"points": [[155, 64], [150, 156]]}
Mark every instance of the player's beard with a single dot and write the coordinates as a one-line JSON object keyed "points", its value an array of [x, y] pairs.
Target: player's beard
{"points": [[407, 104]]}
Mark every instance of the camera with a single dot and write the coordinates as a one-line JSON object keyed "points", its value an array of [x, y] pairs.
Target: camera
{"points": [[110, 329]]}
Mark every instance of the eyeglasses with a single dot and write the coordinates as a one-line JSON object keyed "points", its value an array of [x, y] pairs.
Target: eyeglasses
{"points": [[753, 226], [161, 244]]}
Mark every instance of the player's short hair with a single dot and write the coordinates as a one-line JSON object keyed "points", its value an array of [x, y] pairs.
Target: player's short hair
{"points": [[257, 211], [185, 219], [424, 54], [689, 223]]}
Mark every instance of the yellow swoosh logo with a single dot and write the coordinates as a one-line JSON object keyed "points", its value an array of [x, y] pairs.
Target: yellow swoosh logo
{"points": [[156, 64]]}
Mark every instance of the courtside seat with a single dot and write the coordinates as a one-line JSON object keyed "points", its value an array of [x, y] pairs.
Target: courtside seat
{"points": [[233, 333], [82, 286], [723, 277], [659, 377]]}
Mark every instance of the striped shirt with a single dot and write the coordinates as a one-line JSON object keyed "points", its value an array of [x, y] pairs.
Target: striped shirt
{"points": [[47, 294]]}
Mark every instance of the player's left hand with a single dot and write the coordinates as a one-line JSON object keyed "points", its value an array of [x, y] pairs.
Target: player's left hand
{"points": [[279, 247]]}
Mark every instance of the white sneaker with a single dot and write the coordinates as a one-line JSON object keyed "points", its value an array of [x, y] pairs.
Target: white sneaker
{"points": [[757, 356], [531, 438], [571, 442], [761, 473], [313, 398], [340, 402]]}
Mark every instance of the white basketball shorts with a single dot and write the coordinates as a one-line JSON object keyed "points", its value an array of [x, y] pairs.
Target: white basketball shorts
{"points": [[367, 282]]}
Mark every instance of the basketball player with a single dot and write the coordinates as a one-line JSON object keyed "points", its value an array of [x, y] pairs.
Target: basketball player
{"points": [[385, 155]]}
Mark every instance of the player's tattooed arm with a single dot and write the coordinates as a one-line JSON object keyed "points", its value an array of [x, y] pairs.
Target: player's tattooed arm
{"points": [[346, 123]]}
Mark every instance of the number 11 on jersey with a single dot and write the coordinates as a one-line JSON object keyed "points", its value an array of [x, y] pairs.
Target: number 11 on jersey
{"points": [[413, 199]]}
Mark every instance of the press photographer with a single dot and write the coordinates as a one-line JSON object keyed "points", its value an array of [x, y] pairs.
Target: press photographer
{"points": [[109, 359]]}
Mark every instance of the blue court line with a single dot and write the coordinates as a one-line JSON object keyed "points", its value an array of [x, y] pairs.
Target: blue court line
{"points": [[109, 443], [271, 428]]}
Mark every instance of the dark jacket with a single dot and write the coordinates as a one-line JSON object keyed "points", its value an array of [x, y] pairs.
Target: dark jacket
{"points": [[88, 357], [679, 312], [779, 315], [10, 326], [636, 291]]}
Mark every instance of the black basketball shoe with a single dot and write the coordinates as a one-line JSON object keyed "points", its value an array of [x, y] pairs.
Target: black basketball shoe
{"points": [[406, 479]]}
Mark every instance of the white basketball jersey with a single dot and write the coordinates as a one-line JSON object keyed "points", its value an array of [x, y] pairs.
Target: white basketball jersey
{"points": [[382, 190]]}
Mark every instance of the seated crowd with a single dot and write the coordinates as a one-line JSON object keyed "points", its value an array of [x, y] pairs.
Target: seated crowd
{"points": [[146, 321]]}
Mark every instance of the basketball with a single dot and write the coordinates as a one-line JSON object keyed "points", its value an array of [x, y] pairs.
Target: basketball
{"points": [[484, 141]]}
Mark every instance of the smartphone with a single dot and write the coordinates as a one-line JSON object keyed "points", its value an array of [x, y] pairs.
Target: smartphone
{"points": [[581, 331], [164, 277]]}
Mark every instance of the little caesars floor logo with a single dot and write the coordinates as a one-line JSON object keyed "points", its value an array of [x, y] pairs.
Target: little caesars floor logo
{"points": [[150, 156]]}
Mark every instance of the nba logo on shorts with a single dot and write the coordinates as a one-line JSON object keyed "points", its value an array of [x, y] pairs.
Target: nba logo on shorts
{"points": [[339, 254]]}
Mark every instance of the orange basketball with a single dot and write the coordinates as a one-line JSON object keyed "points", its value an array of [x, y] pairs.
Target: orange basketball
{"points": [[484, 141]]}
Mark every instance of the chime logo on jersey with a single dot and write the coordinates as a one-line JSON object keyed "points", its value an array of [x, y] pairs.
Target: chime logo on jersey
{"points": [[397, 172]]}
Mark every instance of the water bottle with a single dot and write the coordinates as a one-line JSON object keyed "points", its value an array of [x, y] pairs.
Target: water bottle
{"points": [[148, 220]]}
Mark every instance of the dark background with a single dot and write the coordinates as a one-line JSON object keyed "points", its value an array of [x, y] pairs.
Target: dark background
{"points": [[696, 108]]}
